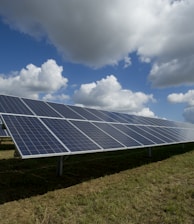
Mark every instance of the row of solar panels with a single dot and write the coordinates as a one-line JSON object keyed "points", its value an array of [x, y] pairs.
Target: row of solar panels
{"points": [[16, 105], [40, 137], [41, 129]]}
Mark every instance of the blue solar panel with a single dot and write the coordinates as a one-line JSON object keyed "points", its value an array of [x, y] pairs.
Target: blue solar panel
{"points": [[70, 136], [65, 111], [119, 136], [114, 116], [85, 113], [40, 108], [131, 119], [101, 115], [155, 122], [31, 137], [41, 129], [156, 131], [13, 105], [170, 132], [97, 135], [148, 135], [143, 120], [128, 130]]}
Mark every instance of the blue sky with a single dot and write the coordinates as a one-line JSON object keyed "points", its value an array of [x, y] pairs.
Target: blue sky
{"points": [[128, 56]]}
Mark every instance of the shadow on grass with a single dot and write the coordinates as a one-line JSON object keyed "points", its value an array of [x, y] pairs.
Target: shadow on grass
{"points": [[25, 178]]}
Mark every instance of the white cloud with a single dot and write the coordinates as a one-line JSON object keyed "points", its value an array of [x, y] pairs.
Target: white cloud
{"points": [[108, 94], [56, 97], [146, 112], [173, 73], [127, 61], [34, 81], [189, 114], [186, 98], [182, 98], [98, 33]]}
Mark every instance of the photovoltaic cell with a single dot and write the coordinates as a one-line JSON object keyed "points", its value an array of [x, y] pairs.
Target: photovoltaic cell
{"points": [[128, 130], [124, 139], [70, 136], [31, 136], [41, 129], [148, 135], [40, 108], [97, 135], [171, 133], [156, 131], [65, 111], [13, 105], [85, 113], [130, 118], [114, 116], [101, 115]]}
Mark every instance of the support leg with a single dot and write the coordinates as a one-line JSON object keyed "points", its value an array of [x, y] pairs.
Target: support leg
{"points": [[149, 152], [60, 166]]}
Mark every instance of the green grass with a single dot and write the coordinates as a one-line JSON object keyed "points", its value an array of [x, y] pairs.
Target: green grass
{"points": [[116, 187]]}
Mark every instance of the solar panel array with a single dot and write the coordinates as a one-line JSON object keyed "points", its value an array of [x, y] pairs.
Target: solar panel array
{"points": [[42, 129]]}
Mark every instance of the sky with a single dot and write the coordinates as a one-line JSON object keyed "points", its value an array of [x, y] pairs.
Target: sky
{"points": [[128, 56]]}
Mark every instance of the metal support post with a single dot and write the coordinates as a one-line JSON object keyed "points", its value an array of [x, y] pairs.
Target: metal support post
{"points": [[149, 152], [60, 166]]}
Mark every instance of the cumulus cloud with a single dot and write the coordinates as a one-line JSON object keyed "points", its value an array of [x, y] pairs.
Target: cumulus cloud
{"points": [[182, 98], [108, 94], [186, 98], [189, 114], [33, 81], [173, 73], [98, 33], [127, 61], [56, 97]]}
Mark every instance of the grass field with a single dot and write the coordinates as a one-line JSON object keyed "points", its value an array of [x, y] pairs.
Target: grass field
{"points": [[116, 187]]}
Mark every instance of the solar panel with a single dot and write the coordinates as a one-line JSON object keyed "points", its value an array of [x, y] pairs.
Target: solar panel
{"points": [[99, 136], [124, 139], [100, 114], [131, 119], [42, 129], [65, 111], [170, 132], [13, 105], [70, 136], [117, 117], [85, 113], [156, 131], [31, 137], [128, 130], [114, 116], [40, 108]]}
